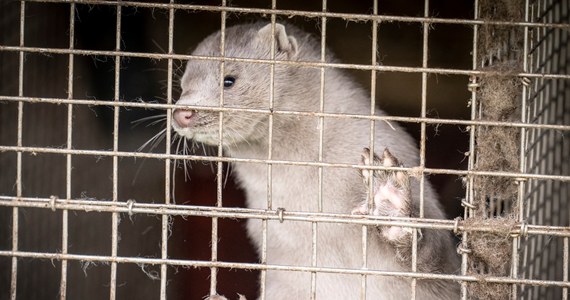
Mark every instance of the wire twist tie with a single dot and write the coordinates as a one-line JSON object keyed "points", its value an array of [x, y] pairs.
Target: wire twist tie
{"points": [[52, 200], [464, 203], [525, 81], [456, 225], [463, 250], [130, 204], [522, 231], [280, 211], [473, 85]]}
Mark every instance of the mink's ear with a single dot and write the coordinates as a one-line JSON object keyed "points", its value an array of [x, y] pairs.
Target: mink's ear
{"points": [[284, 44]]}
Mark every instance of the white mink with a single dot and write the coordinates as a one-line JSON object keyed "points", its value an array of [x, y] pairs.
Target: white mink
{"points": [[295, 188]]}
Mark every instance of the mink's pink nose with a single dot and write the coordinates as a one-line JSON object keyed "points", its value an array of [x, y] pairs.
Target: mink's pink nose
{"points": [[183, 117]]}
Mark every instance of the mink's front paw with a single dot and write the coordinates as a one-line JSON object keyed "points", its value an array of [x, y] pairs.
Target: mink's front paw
{"points": [[391, 195]]}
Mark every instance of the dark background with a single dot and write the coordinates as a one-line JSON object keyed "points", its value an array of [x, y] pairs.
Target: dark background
{"points": [[146, 30]]}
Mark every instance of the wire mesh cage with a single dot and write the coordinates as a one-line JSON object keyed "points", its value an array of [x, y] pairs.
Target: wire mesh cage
{"points": [[506, 98], [87, 212], [547, 103]]}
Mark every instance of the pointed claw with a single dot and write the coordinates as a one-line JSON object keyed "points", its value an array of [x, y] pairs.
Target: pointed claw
{"points": [[365, 157], [369, 159], [389, 160], [360, 209], [365, 160]]}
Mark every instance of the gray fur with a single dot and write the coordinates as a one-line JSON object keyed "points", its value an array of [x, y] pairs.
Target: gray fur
{"points": [[295, 188]]}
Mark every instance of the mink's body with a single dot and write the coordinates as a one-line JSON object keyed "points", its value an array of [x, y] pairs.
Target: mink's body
{"points": [[295, 188]]}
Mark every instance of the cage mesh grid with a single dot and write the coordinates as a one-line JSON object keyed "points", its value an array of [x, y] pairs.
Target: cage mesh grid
{"points": [[547, 152], [541, 179]]}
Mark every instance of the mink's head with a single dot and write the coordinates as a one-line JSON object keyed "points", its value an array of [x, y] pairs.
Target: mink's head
{"points": [[239, 84]]}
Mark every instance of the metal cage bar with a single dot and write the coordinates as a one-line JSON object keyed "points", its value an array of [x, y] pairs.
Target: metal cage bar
{"points": [[166, 219], [310, 14], [116, 112], [15, 212], [321, 124], [65, 218]]}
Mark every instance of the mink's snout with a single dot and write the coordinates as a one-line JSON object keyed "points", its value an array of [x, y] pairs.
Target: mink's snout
{"points": [[184, 117]]}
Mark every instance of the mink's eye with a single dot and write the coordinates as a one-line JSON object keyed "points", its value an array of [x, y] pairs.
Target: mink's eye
{"points": [[229, 81]]}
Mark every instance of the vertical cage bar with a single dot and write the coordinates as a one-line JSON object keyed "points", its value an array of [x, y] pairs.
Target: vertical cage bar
{"points": [[321, 125], [270, 116], [116, 111], [565, 267], [536, 58], [219, 174], [373, 76], [540, 57], [370, 194], [263, 274], [425, 49], [15, 212], [522, 162], [469, 191], [529, 248], [64, 221], [167, 164]]}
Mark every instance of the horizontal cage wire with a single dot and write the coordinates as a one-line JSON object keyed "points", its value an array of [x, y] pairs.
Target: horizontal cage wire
{"points": [[94, 205]]}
